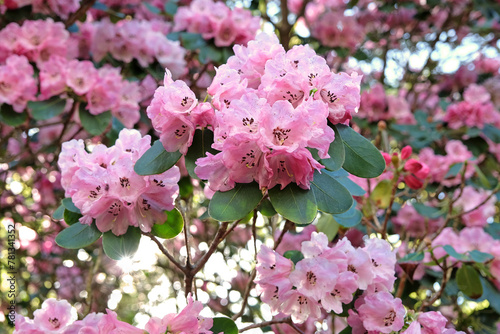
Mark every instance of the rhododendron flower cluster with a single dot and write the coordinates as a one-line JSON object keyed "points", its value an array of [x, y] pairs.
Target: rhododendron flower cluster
{"points": [[327, 278], [144, 41], [376, 106], [456, 152], [17, 85], [37, 40], [271, 106], [215, 20], [175, 113], [62, 8], [475, 111], [430, 323], [476, 213], [104, 88], [468, 239], [58, 316], [104, 186]]}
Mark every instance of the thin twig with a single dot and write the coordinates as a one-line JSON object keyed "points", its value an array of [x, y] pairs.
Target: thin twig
{"points": [[267, 323], [165, 252], [84, 7]]}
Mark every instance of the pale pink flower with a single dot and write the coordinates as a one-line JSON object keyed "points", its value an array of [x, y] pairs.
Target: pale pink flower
{"points": [[382, 312]]}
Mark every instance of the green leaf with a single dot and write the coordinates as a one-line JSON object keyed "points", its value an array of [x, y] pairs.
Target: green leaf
{"points": [[42, 110], [78, 236], [454, 170], [266, 208], [69, 205], [350, 218], [343, 177], [170, 8], [185, 187], [331, 196], [202, 142], [468, 282], [453, 253], [412, 257], [427, 211], [59, 213], [192, 41], [294, 203], [10, 117], [71, 217], [492, 132], [491, 294], [362, 158], [482, 178], [156, 160], [224, 325], [152, 8], [121, 246], [210, 53], [236, 203], [480, 257], [94, 124], [171, 228], [381, 195], [336, 152], [328, 226], [294, 255]]}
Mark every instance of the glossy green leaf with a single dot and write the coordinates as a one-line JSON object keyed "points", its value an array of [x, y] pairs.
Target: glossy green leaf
{"points": [[71, 217], [336, 152], [121, 246], [156, 160], [328, 226], [412, 257], [468, 282], [59, 213], [10, 117], [454, 170], [427, 211], [192, 41], [343, 177], [77, 236], [171, 8], [480, 257], [492, 133], [202, 142], [236, 203], [453, 253], [350, 218], [294, 255], [94, 124], [266, 208], [362, 158], [171, 228], [294, 203], [69, 205], [381, 195], [224, 325], [331, 196], [42, 110]]}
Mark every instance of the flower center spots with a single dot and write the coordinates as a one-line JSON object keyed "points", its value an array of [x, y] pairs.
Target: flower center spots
{"points": [[55, 322], [275, 295], [227, 103], [124, 182], [352, 268], [389, 319], [186, 100], [282, 168], [272, 267], [311, 278], [248, 122], [375, 264], [95, 193], [328, 97], [335, 292], [145, 205], [295, 64], [159, 183], [180, 132], [291, 97], [302, 300], [312, 76], [115, 209], [281, 135], [249, 159], [79, 82], [103, 165]]}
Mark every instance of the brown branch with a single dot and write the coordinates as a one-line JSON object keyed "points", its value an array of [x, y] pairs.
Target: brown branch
{"points": [[165, 252], [287, 321], [246, 295], [287, 226], [84, 7]]}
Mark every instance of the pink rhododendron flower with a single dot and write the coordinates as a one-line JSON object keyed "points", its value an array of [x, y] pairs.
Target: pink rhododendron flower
{"points": [[382, 312], [17, 85], [104, 186]]}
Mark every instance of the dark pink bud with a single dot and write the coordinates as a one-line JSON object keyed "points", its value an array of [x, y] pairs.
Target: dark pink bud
{"points": [[406, 152]]}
